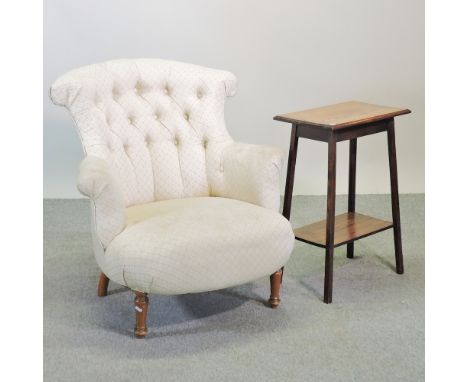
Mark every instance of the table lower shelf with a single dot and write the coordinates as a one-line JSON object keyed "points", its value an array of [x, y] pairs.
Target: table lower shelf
{"points": [[349, 227]]}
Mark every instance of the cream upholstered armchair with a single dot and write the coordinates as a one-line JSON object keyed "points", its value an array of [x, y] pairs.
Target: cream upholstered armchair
{"points": [[177, 206]]}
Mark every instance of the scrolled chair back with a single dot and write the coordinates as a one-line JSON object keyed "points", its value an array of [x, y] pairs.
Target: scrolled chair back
{"points": [[158, 124]]}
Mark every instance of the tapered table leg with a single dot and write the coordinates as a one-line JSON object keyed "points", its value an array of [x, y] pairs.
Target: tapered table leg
{"points": [[395, 201], [288, 191], [290, 174], [330, 225], [351, 189]]}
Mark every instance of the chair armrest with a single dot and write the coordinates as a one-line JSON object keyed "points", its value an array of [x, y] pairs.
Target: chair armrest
{"points": [[251, 174], [96, 182]]}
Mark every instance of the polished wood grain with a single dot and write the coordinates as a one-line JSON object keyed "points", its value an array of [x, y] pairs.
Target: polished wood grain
{"points": [[141, 311], [348, 227], [333, 124], [342, 115], [103, 284], [275, 286]]}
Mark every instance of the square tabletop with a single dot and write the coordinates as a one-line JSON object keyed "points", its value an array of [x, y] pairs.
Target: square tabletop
{"points": [[342, 115]]}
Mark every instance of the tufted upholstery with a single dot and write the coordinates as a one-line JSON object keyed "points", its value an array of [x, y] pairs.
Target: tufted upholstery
{"points": [[153, 131], [160, 124]]}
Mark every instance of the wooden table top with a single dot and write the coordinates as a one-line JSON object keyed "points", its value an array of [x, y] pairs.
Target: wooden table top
{"points": [[342, 115]]}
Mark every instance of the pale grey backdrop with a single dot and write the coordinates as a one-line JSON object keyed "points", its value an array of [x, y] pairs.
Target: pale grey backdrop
{"points": [[287, 55]]}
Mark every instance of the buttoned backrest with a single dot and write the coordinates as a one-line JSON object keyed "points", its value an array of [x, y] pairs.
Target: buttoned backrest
{"points": [[160, 124]]}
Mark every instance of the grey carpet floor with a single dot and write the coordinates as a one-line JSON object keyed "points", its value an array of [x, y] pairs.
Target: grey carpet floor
{"points": [[373, 331]]}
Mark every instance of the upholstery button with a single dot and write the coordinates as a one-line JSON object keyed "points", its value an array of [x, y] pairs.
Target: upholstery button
{"points": [[156, 116], [166, 90], [186, 116], [115, 93], [138, 88], [176, 141], [199, 94], [205, 143]]}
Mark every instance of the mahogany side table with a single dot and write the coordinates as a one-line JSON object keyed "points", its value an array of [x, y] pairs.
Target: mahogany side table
{"points": [[332, 124]]}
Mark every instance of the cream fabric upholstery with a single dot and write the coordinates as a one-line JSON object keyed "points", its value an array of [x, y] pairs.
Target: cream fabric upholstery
{"points": [[154, 131], [197, 244], [251, 174], [96, 182], [159, 124]]}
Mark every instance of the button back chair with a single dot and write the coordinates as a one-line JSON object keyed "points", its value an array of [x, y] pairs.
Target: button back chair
{"points": [[177, 206]]}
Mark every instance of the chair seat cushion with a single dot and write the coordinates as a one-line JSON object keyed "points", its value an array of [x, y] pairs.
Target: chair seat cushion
{"points": [[197, 244]]}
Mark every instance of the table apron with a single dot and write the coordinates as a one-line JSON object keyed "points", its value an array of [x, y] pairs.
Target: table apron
{"points": [[325, 135]]}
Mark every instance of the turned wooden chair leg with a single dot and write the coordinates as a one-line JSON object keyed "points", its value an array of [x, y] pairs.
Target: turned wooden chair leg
{"points": [[275, 285], [102, 285], [141, 310]]}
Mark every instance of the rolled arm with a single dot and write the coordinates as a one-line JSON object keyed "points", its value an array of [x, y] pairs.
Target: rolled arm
{"points": [[95, 181], [251, 174]]}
